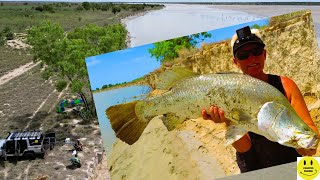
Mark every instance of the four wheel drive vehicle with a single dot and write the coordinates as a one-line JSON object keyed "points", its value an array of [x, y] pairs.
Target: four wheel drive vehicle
{"points": [[27, 143]]}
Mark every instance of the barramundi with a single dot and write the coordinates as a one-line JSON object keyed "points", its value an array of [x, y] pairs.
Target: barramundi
{"points": [[249, 103]]}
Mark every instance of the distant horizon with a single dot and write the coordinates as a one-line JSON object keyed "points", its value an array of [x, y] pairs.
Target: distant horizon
{"points": [[128, 64], [169, 1]]}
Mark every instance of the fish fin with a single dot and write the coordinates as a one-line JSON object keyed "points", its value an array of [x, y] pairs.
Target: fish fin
{"points": [[125, 123], [234, 133], [172, 121], [169, 77], [240, 116]]}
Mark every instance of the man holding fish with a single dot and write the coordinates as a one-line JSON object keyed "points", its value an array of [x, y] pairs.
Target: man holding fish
{"points": [[267, 118], [253, 150]]}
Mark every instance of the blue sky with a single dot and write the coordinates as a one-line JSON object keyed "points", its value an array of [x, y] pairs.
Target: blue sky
{"points": [[129, 64], [120, 66]]}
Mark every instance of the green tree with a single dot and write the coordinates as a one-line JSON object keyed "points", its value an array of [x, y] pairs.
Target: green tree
{"points": [[64, 54], [257, 26], [104, 86], [86, 5], [102, 39], [115, 9], [43, 38], [168, 50], [8, 33]]}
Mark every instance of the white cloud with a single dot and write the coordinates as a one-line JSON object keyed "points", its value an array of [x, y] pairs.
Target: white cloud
{"points": [[137, 60], [92, 62]]}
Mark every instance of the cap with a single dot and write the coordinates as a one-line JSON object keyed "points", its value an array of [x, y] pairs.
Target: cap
{"points": [[244, 36]]}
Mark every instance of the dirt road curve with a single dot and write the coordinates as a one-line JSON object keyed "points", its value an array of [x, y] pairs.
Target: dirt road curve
{"points": [[17, 72]]}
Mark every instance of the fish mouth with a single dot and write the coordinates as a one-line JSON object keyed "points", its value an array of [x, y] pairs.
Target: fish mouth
{"points": [[312, 141]]}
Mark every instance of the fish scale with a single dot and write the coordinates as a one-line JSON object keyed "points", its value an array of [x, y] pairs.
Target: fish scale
{"points": [[235, 89]]}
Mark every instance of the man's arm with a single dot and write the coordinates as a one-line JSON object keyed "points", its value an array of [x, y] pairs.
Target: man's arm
{"points": [[296, 100]]}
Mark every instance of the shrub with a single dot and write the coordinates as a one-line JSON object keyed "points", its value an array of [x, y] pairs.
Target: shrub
{"points": [[61, 84], [79, 8], [2, 40], [39, 8], [116, 9], [9, 35], [45, 7]]}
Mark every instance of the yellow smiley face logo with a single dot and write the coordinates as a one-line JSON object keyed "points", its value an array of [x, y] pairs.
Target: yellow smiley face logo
{"points": [[308, 168]]}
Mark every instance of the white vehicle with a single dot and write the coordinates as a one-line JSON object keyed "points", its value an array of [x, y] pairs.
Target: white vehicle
{"points": [[27, 143]]}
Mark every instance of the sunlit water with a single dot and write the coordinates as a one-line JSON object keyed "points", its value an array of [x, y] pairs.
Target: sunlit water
{"points": [[179, 20], [105, 99]]}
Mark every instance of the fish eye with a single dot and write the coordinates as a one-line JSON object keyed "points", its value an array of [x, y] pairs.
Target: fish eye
{"points": [[304, 162], [311, 162]]}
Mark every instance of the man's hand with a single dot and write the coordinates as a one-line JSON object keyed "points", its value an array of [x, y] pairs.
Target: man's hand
{"points": [[306, 152], [215, 114]]}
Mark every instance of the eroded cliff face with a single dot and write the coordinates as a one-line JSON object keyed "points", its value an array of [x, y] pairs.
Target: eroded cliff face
{"points": [[197, 149], [293, 52], [291, 46]]}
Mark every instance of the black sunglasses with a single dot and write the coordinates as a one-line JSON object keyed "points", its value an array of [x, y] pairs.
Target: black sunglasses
{"points": [[244, 54]]}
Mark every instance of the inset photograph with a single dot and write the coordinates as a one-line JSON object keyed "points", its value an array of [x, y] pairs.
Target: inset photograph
{"points": [[210, 104]]}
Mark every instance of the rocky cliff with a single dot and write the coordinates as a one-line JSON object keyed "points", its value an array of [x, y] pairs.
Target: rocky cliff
{"points": [[291, 46]]}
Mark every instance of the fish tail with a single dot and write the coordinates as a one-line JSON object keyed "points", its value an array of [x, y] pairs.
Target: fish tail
{"points": [[125, 122]]}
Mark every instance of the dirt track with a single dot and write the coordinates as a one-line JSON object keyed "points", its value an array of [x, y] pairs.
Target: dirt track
{"points": [[29, 102]]}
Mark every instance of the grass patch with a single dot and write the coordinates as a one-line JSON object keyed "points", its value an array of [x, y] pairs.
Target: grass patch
{"points": [[83, 131], [13, 58], [19, 16]]}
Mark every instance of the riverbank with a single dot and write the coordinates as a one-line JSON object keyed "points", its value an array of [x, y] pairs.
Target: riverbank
{"points": [[177, 20], [138, 83], [125, 20]]}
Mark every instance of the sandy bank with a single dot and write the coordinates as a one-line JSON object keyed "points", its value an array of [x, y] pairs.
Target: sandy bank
{"points": [[191, 152]]}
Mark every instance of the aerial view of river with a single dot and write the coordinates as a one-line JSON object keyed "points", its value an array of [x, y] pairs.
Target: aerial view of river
{"points": [[181, 19]]}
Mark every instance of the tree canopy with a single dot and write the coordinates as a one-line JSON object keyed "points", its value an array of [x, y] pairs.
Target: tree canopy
{"points": [[168, 50], [65, 53]]}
